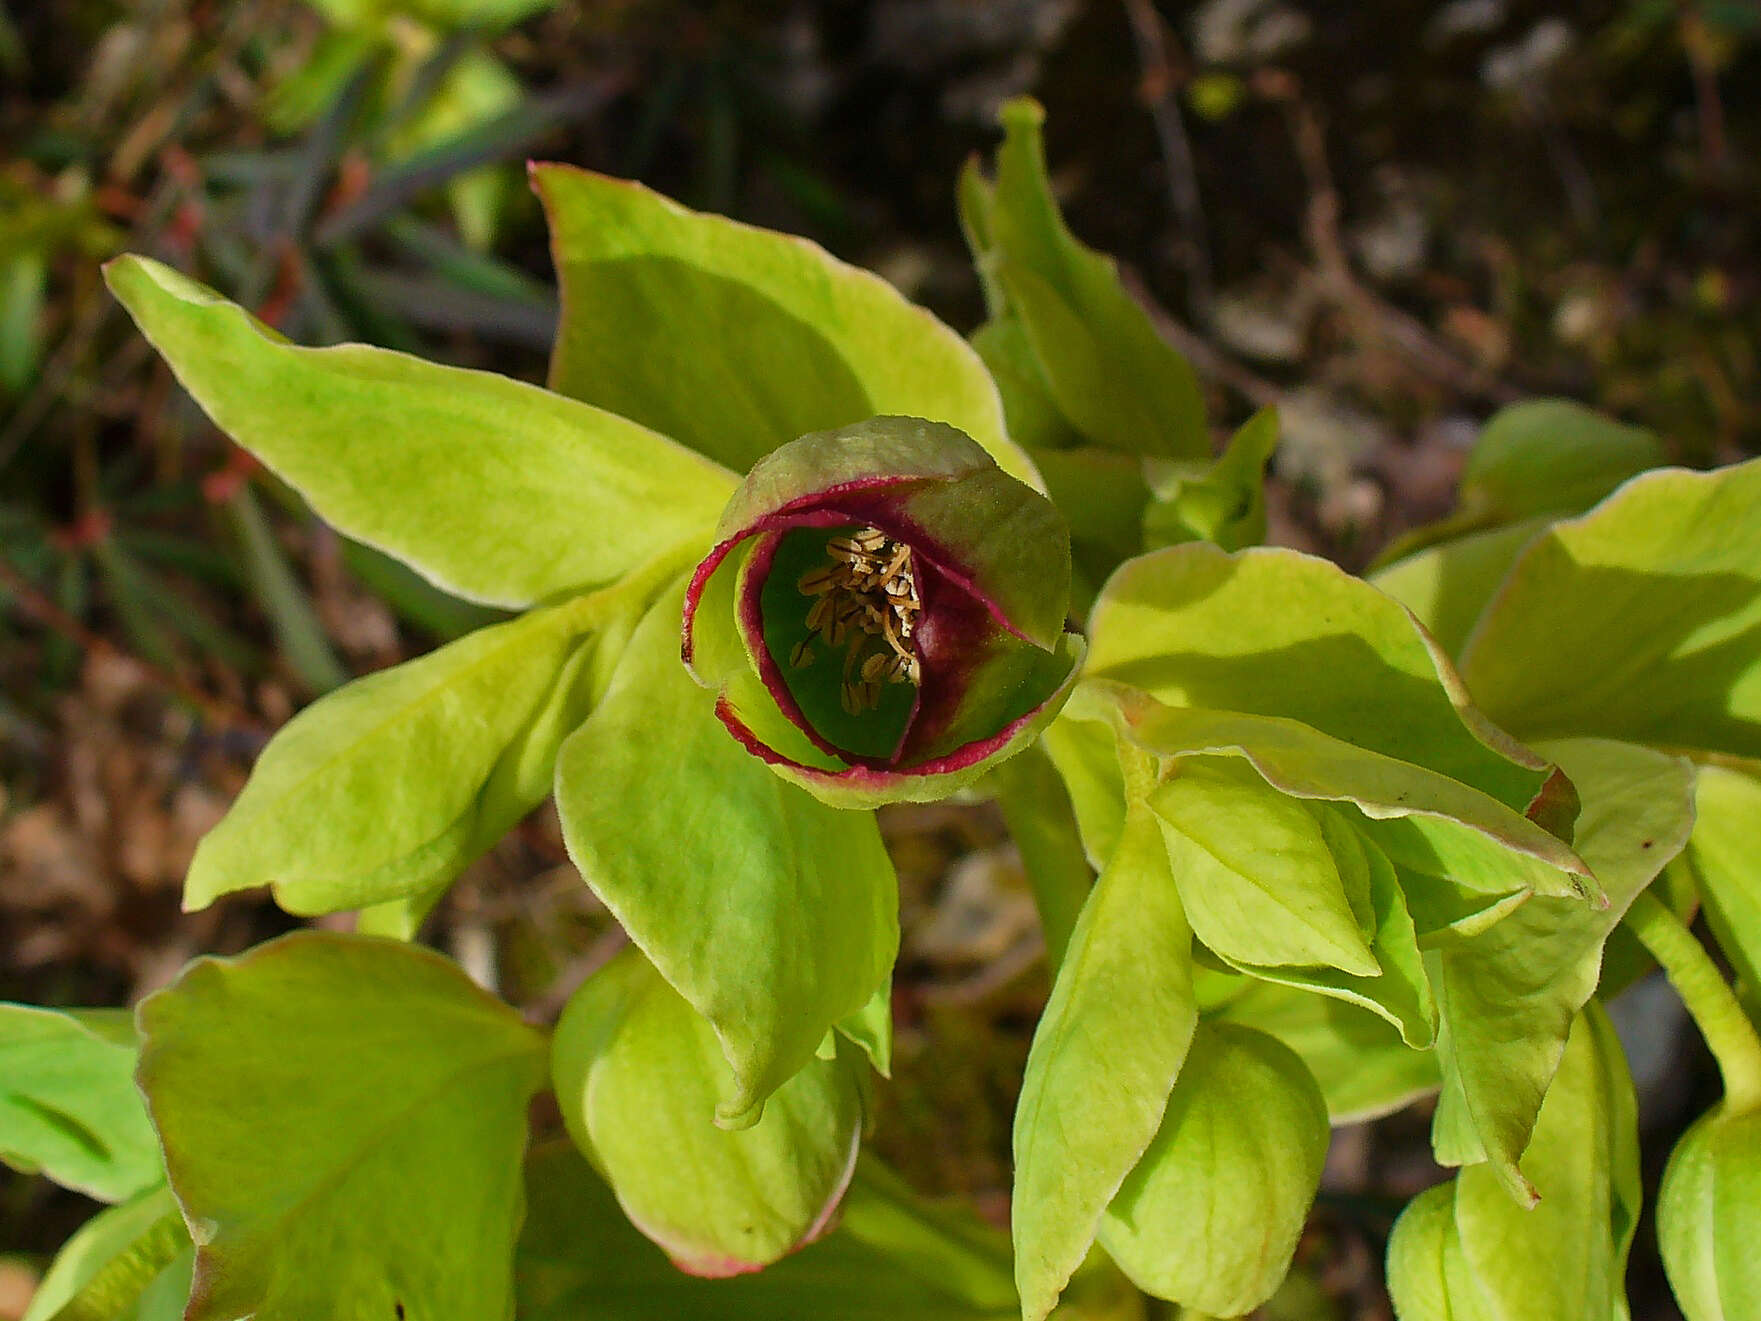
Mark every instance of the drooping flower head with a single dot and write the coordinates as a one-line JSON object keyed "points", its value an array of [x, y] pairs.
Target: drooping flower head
{"points": [[882, 616]]}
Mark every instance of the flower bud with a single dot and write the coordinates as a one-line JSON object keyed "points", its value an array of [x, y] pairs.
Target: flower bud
{"points": [[1709, 1216], [882, 616]]}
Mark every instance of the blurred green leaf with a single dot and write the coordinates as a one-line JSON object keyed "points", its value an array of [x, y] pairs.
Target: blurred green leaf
{"points": [[24, 284], [129, 1263], [68, 1105], [1539, 458], [301, 638]]}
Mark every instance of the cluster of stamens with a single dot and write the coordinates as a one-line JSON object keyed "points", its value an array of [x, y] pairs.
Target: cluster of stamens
{"points": [[865, 601]]}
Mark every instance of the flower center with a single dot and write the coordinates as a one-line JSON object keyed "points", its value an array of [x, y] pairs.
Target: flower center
{"points": [[865, 600]]}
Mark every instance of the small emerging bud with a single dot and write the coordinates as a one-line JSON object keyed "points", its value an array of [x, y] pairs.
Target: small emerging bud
{"points": [[883, 613]]}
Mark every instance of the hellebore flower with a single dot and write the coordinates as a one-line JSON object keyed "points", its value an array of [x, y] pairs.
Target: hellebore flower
{"points": [[882, 615]]}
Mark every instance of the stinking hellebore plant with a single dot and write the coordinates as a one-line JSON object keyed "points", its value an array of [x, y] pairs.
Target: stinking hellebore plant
{"points": [[1305, 847]]}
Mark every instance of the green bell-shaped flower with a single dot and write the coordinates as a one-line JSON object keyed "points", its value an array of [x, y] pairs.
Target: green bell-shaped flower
{"points": [[882, 616]]}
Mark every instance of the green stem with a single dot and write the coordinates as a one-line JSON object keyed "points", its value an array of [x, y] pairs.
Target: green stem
{"points": [[1709, 999]]}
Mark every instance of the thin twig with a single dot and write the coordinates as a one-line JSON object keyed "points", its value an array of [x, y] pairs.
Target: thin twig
{"points": [[992, 977], [1161, 97], [35, 604], [1337, 282], [544, 1009], [1206, 358]]}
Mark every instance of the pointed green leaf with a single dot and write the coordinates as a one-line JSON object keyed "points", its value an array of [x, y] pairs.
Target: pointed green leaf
{"points": [[1222, 502], [888, 1259], [118, 1265], [1421, 819], [733, 339], [638, 1073], [496, 490], [1508, 995], [1103, 1062], [1255, 875], [1709, 1217], [1536, 459], [1034, 420], [773, 915], [1211, 1215], [1400, 991], [1727, 865], [1276, 633], [1551, 456], [1637, 621], [386, 788], [1566, 1256], [304, 1088], [1363, 1068], [68, 1105], [1120, 384]]}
